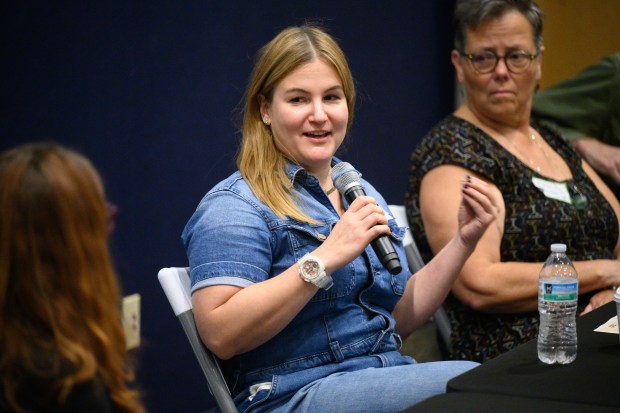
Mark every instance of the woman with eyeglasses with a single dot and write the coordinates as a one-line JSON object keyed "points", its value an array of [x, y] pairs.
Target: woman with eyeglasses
{"points": [[549, 193]]}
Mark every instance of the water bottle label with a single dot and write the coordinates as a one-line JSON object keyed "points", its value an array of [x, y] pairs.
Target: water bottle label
{"points": [[560, 292]]}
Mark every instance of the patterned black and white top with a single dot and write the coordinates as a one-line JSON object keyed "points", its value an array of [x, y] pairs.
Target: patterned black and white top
{"points": [[533, 222]]}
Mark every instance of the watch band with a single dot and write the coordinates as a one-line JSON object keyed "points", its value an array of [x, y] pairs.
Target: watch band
{"points": [[326, 282]]}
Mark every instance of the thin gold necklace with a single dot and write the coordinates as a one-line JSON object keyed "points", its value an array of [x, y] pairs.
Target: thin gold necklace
{"points": [[531, 162], [580, 201], [330, 190]]}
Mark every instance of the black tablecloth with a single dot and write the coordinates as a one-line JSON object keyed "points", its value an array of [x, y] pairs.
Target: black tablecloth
{"points": [[593, 378], [468, 402]]}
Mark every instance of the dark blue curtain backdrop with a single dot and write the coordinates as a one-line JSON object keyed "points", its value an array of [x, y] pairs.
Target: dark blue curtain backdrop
{"points": [[148, 91]]}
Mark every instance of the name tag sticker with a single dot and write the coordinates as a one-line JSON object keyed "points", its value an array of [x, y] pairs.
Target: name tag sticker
{"points": [[553, 190]]}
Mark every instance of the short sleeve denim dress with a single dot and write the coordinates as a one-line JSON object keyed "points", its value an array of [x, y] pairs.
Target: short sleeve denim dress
{"points": [[233, 238]]}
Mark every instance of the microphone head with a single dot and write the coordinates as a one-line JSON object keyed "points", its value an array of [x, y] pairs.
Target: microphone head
{"points": [[345, 176]]}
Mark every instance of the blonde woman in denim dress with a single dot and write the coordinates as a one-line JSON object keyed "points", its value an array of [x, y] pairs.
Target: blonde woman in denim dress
{"points": [[293, 343]]}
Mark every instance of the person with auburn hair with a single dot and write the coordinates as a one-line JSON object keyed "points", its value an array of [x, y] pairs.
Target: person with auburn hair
{"points": [[62, 345], [285, 286]]}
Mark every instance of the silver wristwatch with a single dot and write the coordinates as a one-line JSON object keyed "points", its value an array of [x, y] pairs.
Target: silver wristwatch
{"points": [[312, 270]]}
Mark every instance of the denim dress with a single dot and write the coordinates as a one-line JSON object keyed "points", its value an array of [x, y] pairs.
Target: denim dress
{"points": [[235, 239]]}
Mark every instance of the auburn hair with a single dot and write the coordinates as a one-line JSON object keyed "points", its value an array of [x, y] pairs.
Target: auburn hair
{"points": [[59, 294]]}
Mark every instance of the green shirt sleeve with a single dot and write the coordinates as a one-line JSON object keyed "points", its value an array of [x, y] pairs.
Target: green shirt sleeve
{"points": [[587, 104]]}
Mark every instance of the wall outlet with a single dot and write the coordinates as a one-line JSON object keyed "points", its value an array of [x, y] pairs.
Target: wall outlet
{"points": [[131, 320]]}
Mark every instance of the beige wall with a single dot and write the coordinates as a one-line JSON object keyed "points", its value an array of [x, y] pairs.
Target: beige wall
{"points": [[577, 33]]}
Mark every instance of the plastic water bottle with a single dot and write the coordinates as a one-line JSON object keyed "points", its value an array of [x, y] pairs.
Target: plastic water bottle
{"points": [[557, 305]]}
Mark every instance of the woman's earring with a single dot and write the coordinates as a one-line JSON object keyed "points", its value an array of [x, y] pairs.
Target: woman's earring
{"points": [[266, 121]]}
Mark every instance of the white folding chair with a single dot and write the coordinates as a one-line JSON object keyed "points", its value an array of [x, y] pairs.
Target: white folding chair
{"points": [[415, 261], [176, 284]]}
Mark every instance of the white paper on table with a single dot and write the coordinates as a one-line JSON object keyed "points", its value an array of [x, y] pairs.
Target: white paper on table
{"points": [[610, 326]]}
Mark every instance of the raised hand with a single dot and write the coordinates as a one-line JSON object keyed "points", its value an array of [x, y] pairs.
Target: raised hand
{"points": [[479, 207]]}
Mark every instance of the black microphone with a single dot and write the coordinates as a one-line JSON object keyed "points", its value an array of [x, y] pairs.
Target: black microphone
{"points": [[347, 180]]}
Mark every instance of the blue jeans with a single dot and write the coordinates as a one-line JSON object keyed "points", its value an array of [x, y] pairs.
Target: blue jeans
{"points": [[372, 390]]}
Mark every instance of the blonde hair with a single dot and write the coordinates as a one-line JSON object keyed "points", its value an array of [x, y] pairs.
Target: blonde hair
{"points": [[59, 295], [260, 162]]}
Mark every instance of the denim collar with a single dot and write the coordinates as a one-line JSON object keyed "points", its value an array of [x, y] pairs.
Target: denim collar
{"points": [[296, 171]]}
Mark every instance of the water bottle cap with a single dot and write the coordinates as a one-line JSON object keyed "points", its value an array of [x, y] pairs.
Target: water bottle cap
{"points": [[558, 247]]}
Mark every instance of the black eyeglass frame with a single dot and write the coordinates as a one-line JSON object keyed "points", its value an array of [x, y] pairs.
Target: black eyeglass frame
{"points": [[471, 56]]}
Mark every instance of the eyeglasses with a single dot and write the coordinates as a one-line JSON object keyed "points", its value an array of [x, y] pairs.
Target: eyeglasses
{"points": [[486, 62]]}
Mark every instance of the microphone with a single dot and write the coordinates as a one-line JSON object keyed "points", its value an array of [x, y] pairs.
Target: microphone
{"points": [[347, 181]]}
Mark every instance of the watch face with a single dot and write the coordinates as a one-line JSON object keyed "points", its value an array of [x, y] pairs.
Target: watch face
{"points": [[311, 269]]}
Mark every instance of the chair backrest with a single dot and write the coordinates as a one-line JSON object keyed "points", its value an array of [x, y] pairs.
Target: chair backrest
{"points": [[175, 282], [415, 261]]}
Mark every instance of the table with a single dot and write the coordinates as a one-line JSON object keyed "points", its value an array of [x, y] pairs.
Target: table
{"points": [[593, 378], [474, 402]]}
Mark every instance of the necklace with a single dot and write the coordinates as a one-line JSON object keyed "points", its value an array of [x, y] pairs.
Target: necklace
{"points": [[333, 188], [531, 162], [579, 199]]}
